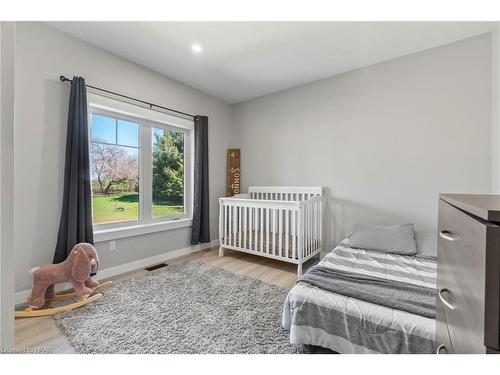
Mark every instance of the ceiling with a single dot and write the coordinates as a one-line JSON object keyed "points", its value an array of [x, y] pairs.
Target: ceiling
{"points": [[244, 60]]}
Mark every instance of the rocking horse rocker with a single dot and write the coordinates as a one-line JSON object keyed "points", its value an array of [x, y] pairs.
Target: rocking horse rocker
{"points": [[76, 269]]}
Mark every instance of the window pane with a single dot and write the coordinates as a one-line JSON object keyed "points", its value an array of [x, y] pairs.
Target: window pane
{"points": [[103, 129], [128, 133], [168, 173], [115, 183]]}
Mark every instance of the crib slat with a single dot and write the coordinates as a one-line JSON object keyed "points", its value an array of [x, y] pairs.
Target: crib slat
{"points": [[308, 226], [287, 234], [300, 230], [294, 238], [256, 229], [239, 226], [267, 230], [304, 232], [316, 226], [306, 212], [310, 229], [221, 220], [280, 233], [230, 218], [320, 225], [234, 218], [225, 225], [250, 227], [245, 223], [235, 225], [261, 230], [274, 231], [315, 214], [311, 216]]}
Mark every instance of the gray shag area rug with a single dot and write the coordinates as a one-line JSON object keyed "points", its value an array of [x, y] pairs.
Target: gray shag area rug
{"points": [[185, 308]]}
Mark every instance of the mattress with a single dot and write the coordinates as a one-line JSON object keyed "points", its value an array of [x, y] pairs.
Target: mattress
{"points": [[347, 325]]}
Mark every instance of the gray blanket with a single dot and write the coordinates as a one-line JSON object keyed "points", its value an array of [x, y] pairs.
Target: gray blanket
{"points": [[415, 299]]}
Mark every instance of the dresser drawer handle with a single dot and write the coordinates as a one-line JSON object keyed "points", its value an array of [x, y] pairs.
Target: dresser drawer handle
{"points": [[440, 347], [446, 235], [444, 301]]}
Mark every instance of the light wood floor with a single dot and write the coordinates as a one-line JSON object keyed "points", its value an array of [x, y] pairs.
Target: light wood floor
{"points": [[42, 332]]}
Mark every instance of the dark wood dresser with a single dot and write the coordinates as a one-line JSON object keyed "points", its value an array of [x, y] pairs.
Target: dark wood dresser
{"points": [[468, 276]]}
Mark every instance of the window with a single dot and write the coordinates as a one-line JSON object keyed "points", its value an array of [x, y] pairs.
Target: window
{"points": [[140, 167], [168, 172], [114, 160]]}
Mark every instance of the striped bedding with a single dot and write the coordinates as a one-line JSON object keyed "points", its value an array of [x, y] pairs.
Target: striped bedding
{"points": [[344, 324]]}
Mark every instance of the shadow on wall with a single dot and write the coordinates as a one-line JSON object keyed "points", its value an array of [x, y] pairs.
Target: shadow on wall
{"points": [[341, 215]]}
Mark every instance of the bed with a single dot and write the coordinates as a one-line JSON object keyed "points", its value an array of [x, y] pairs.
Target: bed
{"points": [[344, 324]]}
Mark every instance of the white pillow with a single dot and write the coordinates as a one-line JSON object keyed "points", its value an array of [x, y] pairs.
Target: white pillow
{"points": [[397, 239], [426, 244]]}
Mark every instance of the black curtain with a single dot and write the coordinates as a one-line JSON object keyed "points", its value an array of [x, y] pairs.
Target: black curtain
{"points": [[76, 216], [201, 219]]}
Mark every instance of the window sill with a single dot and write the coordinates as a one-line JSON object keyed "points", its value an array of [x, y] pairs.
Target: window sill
{"points": [[103, 235]]}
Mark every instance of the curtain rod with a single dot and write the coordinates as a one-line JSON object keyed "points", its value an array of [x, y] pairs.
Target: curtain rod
{"points": [[151, 105]]}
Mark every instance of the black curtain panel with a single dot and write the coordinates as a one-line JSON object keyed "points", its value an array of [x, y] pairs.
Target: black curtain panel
{"points": [[201, 219], [76, 216]]}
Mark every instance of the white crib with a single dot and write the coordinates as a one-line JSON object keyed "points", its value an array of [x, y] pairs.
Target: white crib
{"points": [[279, 222]]}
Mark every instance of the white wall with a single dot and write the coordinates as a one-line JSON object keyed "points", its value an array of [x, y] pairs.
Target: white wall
{"points": [[41, 112], [495, 110], [384, 140], [7, 66]]}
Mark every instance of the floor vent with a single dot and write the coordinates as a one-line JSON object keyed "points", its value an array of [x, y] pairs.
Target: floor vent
{"points": [[156, 266]]}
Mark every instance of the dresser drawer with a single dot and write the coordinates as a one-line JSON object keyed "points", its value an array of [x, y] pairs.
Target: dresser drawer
{"points": [[466, 330], [461, 277], [443, 341]]}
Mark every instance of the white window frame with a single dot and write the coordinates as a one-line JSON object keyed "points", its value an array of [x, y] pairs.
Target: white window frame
{"points": [[147, 119]]}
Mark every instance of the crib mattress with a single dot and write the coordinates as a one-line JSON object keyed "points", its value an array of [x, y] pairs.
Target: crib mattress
{"points": [[258, 242]]}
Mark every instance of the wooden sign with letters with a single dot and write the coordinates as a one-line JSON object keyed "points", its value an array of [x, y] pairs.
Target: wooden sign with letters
{"points": [[233, 172]]}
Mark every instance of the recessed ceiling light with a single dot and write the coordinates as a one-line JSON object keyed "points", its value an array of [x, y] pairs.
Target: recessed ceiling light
{"points": [[196, 48]]}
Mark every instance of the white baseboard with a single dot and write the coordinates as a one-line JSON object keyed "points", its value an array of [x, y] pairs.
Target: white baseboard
{"points": [[22, 296]]}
